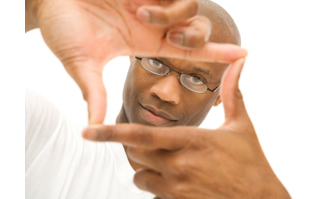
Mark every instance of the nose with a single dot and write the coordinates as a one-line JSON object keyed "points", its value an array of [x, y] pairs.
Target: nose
{"points": [[167, 88]]}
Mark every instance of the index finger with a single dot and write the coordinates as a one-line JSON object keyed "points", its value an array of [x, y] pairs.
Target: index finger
{"points": [[134, 135], [209, 52]]}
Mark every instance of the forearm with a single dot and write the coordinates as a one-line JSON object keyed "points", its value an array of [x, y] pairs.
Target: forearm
{"points": [[30, 15]]}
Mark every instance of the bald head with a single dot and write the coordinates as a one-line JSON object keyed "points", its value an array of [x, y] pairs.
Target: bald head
{"points": [[224, 29]]}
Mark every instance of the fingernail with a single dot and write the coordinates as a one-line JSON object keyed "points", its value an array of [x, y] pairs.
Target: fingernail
{"points": [[144, 15], [177, 38]]}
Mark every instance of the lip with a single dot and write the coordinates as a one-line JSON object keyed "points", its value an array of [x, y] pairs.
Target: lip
{"points": [[155, 116]]}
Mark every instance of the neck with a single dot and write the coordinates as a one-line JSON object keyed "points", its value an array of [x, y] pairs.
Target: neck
{"points": [[121, 118]]}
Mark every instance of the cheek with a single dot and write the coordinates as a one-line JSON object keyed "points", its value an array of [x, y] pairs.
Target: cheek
{"points": [[137, 84], [196, 111], [134, 83]]}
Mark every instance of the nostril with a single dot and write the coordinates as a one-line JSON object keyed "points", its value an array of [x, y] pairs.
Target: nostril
{"points": [[163, 99], [155, 95]]}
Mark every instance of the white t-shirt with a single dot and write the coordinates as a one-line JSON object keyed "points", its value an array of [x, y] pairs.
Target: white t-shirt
{"points": [[59, 163]]}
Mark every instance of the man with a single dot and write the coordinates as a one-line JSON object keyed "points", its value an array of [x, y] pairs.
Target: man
{"points": [[187, 162], [85, 35], [81, 170], [155, 93]]}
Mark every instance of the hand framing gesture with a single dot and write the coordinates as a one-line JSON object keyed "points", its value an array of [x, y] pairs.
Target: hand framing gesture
{"points": [[188, 162], [86, 34]]}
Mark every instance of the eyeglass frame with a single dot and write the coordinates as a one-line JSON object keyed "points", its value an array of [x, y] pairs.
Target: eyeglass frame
{"points": [[208, 89]]}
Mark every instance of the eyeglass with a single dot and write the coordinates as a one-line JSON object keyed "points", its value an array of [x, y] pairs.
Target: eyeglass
{"points": [[192, 83]]}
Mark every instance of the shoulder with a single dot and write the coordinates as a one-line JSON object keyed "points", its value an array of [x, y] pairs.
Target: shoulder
{"points": [[40, 113], [45, 126]]}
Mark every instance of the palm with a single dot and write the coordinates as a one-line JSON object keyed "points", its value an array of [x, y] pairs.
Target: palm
{"points": [[97, 31]]}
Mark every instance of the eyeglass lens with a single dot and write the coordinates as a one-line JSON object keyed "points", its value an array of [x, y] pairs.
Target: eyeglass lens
{"points": [[190, 82]]}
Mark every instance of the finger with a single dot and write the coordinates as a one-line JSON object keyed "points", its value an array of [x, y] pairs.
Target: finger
{"points": [[210, 52], [135, 135], [97, 104], [166, 15], [230, 94], [193, 33], [151, 181], [152, 159], [91, 84]]}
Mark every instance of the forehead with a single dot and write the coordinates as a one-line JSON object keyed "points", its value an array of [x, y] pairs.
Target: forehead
{"points": [[211, 71]]}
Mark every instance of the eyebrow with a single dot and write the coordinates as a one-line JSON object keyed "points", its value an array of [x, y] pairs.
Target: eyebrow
{"points": [[210, 79], [207, 72], [197, 69]]}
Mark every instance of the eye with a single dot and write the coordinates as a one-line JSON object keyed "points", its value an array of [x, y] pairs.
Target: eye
{"points": [[195, 80], [156, 64]]}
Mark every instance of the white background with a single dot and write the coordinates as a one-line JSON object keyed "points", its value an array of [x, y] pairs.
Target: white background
{"points": [[282, 83]]}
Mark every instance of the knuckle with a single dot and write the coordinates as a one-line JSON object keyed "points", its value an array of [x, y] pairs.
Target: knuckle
{"points": [[105, 134], [162, 18], [201, 142], [194, 7], [202, 24], [201, 21], [182, 168], [196, 39], [205, 20], [142, 136]]}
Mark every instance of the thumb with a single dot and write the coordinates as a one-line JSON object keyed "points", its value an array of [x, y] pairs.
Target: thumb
{"points": [[230, 94], [95, 95], [90, 81]]}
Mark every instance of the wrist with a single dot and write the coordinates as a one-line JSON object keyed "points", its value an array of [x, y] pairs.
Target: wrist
{"points": [[31, 9]]}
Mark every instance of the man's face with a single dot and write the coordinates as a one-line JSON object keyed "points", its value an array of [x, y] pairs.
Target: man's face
{"points": [[163, 101]]}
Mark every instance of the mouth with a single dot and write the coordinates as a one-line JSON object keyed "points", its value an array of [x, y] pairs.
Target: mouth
{"points": [[155, 116]]}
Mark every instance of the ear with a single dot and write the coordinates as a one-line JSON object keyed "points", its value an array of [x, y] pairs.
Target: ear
{"points": [[218, 101]]}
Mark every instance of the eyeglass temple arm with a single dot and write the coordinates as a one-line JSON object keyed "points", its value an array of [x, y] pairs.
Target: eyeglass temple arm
{"points": [[213, 90]]}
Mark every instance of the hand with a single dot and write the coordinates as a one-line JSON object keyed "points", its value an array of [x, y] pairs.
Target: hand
{"points": [[86, 34], [188, 162]]}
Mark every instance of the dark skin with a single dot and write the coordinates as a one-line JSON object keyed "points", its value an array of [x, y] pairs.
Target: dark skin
{"points": [[166, 93], [187, 162], [86, 34], [175, 158], [190, 163]]}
